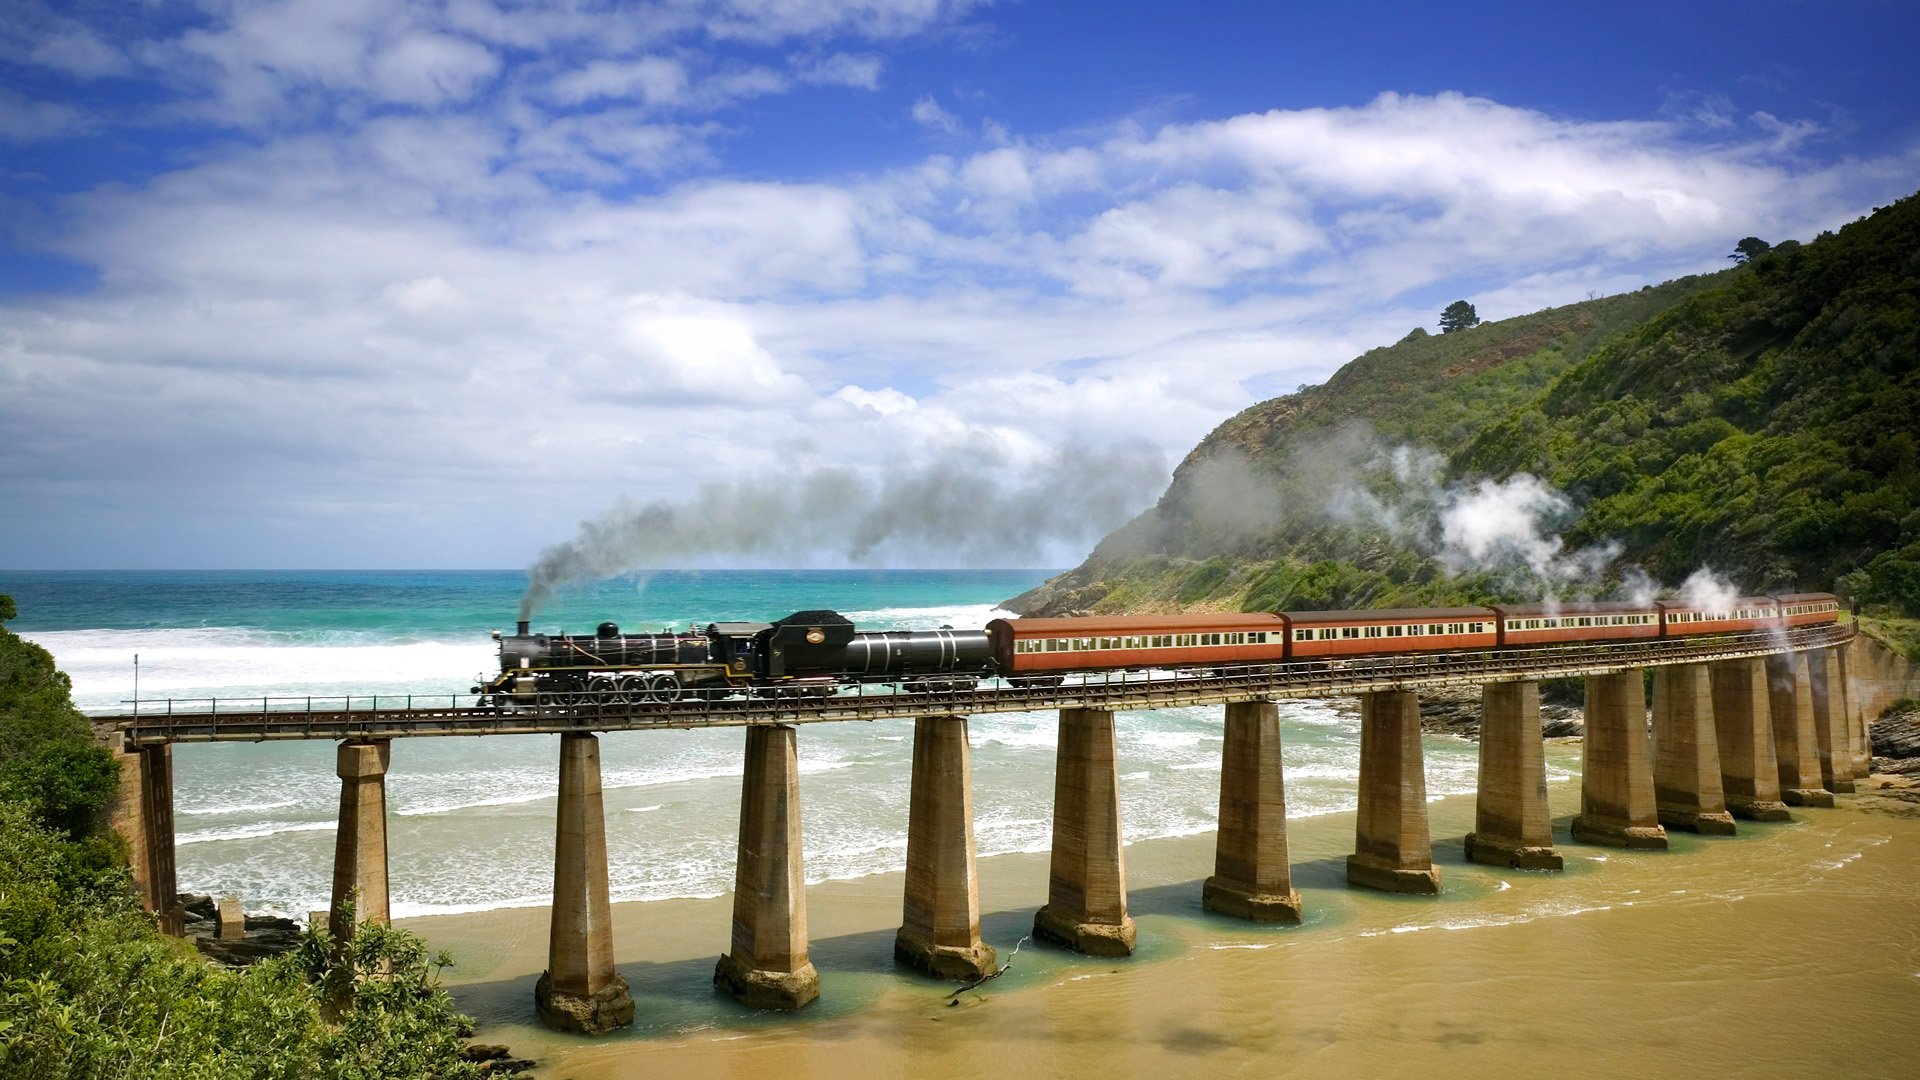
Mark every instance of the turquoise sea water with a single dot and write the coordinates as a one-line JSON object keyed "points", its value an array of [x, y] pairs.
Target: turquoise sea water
{"points": [[471, 819]]}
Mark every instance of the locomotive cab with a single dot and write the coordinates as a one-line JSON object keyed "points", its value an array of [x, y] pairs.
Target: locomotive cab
{"points": [[732, 645]]}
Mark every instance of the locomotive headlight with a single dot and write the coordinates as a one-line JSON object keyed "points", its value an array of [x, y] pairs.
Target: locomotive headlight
{"points": [[816, 635]]}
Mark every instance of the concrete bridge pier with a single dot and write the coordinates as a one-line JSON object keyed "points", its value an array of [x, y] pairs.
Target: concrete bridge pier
{"points": [[360, 845], [143, 816], [1393, 851], [1512, 825], [580, 990], [1616, 786], [940, 920], [1828, 691], [1251, 876], [1743, 728], [768, 966], [1858, 751], [1795, 746], [1086, 907], [1687, 790]]}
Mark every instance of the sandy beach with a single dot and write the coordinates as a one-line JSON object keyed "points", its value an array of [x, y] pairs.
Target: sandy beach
{"points": [[1789, 949]]}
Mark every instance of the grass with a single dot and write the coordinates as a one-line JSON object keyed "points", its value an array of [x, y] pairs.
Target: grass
{"points": [[1899, 634]]}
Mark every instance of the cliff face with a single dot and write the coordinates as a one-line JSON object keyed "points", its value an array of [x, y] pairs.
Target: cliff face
{"points": [[1758, 420]]}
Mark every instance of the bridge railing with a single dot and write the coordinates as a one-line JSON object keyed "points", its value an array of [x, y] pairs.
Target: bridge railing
{"points": [[388, 716]]}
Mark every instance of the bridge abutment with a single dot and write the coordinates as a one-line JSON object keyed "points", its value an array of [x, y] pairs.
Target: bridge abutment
{"points": [[940, 917], [1251, 875], [580, 990], [360, 845], [1826, 684], [1512, 825], [143, 816], [768, 966], [1616, 785], [1687, 790], [1086, 907], [1795, 746], [1743, 728], [1393, 851]]}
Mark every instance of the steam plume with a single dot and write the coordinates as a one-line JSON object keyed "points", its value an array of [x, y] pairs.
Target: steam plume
{"points": [[979, 510]]}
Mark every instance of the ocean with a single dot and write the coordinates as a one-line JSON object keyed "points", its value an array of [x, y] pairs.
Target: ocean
{"points": [[471, 820]]}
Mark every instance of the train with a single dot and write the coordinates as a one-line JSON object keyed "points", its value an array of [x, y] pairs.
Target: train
{"points": [[816, 653]]}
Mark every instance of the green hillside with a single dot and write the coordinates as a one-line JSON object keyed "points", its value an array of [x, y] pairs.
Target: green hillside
{"points": [[1760, 421]]}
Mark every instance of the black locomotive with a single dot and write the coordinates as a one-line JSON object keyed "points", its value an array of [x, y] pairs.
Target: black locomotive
{"points": [[808, 652]]}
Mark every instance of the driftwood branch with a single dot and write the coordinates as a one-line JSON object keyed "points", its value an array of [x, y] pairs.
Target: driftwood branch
{"points": [[954, 998]]}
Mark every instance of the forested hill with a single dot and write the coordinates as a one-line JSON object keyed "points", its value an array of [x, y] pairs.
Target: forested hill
{"points": [[1759, 422]]}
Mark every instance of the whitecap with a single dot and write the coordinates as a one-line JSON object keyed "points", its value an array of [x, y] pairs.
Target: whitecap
{"points": [[249, 832]]}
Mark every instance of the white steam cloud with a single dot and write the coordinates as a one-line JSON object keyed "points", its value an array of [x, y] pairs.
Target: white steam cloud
{"points": [[1509, 527], [980, 510], [1707, 590]]}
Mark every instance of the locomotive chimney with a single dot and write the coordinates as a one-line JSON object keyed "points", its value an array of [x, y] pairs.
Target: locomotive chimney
{"points": [[520, 628]]}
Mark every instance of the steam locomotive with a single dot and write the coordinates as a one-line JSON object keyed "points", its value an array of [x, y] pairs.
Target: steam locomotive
{"points": [[806, 653], [817, 652]]}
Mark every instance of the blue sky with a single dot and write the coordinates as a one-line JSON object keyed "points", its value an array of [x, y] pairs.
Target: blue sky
{"points": [[356, 283]]}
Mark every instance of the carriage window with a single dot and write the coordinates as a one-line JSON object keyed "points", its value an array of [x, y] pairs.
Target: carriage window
{"points": [[1349, 632], [1394, 631], [1303, 635], [1372, 631]]}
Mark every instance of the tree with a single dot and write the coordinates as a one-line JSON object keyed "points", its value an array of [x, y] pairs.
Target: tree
{"points": [[1458, 316], [1749, 248]]}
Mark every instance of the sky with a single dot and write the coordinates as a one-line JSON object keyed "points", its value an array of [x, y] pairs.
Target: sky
{"points": [[424, 283]]}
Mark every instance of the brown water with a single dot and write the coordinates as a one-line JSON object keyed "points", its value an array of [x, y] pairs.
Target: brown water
{"points": [[1791, 949]]}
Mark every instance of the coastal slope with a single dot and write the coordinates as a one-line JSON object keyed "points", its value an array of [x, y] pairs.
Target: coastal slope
{"points": [[1757, 421]]}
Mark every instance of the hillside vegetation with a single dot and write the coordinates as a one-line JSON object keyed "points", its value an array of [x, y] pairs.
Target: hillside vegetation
{"points": [[91, 990], [1759, 422]]}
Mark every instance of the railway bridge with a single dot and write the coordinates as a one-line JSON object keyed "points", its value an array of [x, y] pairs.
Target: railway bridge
{"points": [[1742, 725]]}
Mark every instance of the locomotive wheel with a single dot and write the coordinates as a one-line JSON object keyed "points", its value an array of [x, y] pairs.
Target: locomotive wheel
{"points": [[633, 689], [571, 693], [665, 688], [601, 691]]}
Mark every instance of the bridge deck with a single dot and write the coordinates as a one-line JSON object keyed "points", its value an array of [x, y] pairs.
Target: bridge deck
{"points": [[259, 719]]}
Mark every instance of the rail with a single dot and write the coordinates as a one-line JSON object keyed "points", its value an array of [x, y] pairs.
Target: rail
{"points": [[418, 715]]}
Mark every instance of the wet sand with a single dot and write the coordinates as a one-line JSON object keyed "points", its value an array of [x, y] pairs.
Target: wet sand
{"points": [[1791, 949]]}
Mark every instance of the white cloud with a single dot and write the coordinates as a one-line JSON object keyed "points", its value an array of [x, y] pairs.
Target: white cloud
{"points": [[23, 119], [431, 69], [652, 80], [928, 113], [858, 70], [77, 51], [435, 315]]}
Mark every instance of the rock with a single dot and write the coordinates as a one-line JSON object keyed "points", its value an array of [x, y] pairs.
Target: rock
{"points": [[1897, 734], [496, 1060], [264, 935], [1457, 712]]}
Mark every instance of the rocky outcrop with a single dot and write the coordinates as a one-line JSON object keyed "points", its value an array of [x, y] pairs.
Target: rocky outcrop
{"points": [[266, 935], [1896, 741], [496, 1060], [1458, 712]]}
